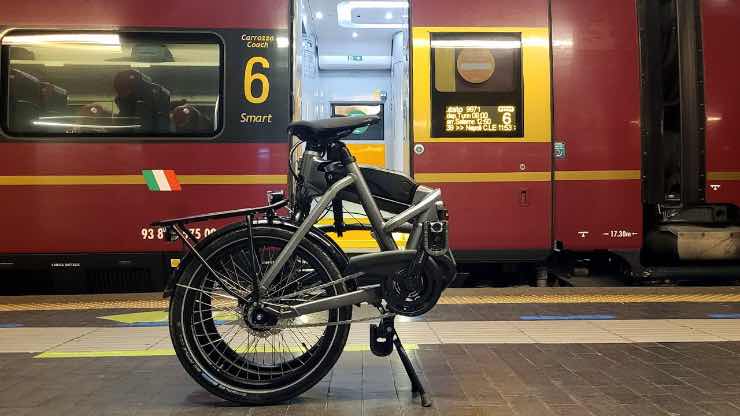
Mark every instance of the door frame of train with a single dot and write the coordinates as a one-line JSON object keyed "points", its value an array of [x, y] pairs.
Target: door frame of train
{"points": [[296, 90], [295, 80]]}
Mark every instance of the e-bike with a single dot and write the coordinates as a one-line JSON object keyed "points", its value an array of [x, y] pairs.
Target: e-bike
{"points": [[260, 310]]}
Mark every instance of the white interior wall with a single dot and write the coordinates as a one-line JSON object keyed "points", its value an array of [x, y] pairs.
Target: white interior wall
{"points": [[321, 87], [354, 85]]}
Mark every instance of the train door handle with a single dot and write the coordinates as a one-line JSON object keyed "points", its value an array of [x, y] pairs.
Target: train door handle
{"points": [[524, 198]]}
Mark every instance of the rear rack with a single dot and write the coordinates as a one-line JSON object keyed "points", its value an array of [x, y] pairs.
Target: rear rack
{"points": [[268, 210], [176, 228]]}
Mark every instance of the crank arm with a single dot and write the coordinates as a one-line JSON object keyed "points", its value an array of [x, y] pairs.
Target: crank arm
{"points": [[369, 294]]}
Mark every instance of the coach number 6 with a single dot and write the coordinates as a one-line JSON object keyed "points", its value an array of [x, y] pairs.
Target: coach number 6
{"points": [[250, 77]]}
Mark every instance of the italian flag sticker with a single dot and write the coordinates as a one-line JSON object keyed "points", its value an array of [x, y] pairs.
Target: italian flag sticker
{"points": [[161, 180]]}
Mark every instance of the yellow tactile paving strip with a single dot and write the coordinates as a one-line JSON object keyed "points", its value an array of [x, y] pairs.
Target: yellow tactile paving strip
{"points": [[85, 305], [445, 300], [154, 341], [155, 352]]}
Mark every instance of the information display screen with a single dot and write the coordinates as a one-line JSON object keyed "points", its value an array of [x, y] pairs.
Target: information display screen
{"points": [[480, 119], [476, 86]]}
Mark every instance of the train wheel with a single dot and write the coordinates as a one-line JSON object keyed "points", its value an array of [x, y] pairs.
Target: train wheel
{"points": [[219, 340]]}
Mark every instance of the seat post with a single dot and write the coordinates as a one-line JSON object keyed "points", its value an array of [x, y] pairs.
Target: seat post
{"points": [[339, 151]]}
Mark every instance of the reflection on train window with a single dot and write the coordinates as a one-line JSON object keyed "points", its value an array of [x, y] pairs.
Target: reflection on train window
{"points": [[357, 109], [477, 85], [111, 84]]}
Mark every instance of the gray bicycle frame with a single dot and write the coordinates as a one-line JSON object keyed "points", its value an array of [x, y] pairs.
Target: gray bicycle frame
{"points": [[424, 207]]}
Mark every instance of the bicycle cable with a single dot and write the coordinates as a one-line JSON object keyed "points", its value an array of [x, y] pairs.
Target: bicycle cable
{"points": [[290, 160]]}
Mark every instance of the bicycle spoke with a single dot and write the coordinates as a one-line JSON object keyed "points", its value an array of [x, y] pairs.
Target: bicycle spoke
{"points": [[245, 351], [301, 278], [208, 293]]}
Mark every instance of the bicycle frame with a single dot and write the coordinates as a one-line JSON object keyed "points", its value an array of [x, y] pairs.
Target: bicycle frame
{"points": [[423, 208], [383, 229]]}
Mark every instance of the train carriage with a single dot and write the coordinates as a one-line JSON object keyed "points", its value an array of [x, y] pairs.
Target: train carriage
{"points": [[558, 130]]}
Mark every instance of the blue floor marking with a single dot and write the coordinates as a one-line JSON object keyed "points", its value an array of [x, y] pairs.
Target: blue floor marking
{"points": [[596, 317], [724, 315]]}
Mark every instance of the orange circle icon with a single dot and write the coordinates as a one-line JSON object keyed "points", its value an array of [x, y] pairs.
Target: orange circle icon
{"points": [[475, 65]]}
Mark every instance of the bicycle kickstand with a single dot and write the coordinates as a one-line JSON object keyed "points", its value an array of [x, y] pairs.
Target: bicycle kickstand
{"points": [[416, 386], [383, 337]]}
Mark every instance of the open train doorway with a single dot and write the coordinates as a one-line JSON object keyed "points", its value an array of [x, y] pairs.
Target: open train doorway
{"points": [[353, 61]]}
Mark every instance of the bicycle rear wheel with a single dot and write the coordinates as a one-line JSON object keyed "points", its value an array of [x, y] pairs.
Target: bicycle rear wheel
{"points": [[214, 334]]}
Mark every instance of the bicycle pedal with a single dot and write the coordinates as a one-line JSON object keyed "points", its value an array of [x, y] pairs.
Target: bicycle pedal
{"points": [[381, 339]]}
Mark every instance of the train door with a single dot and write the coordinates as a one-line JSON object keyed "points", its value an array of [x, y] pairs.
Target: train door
{"points": [[719, 22], [482, 122], [353, 61], [596, 92]]}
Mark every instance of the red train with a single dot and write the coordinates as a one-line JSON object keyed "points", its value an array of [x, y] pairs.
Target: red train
{"points": [[559, 130]]}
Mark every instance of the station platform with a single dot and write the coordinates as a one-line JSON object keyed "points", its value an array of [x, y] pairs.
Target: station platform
{"points": [[518, 351]]}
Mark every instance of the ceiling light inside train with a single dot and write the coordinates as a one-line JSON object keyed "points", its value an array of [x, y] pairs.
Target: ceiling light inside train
{"points": [[347, 9], [477, 44], [104, 39], [319, 15]]}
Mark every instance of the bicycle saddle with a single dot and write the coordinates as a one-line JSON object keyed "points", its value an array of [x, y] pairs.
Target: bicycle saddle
{"points": [[330, 129]]}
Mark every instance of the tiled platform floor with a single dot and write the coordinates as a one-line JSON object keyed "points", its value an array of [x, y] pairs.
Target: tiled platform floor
{"points": [[657, 358], [474, 379], [71, 341]]}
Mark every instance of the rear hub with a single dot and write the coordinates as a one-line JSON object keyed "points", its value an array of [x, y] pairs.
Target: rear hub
{"points": [[260, 322]]}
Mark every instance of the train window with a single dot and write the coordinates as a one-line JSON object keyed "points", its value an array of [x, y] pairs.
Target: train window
{"points": [[139, 84], [374, 132], [476, 86]]}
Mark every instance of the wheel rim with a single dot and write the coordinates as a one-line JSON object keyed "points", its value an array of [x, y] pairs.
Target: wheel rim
{"points": [[222, 341]]}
